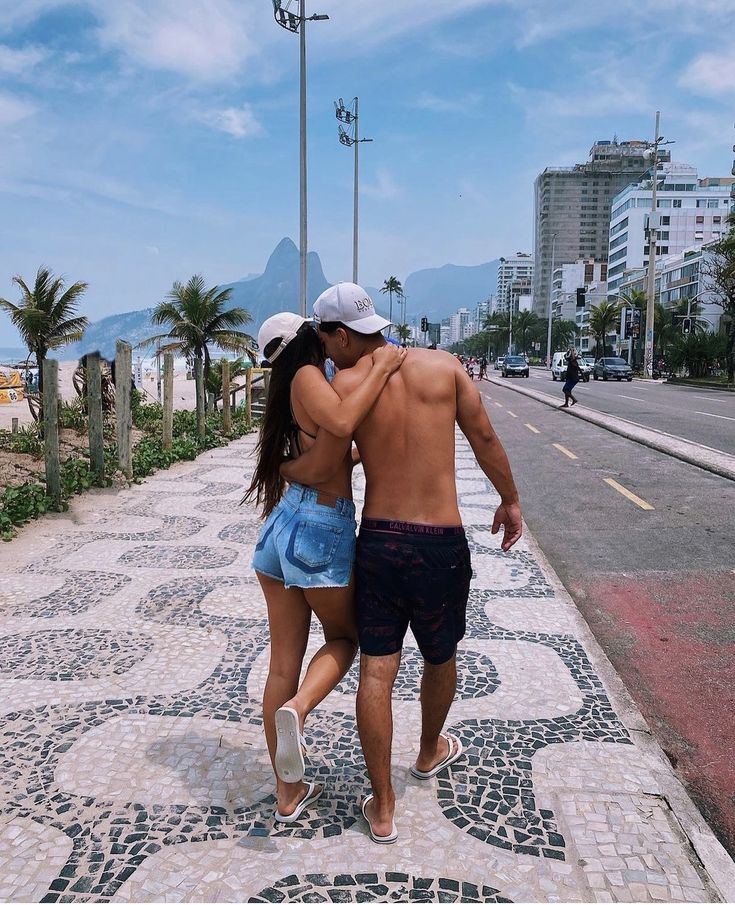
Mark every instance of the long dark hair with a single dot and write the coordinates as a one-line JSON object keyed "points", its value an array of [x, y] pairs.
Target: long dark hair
{"points": [[276, 430]]}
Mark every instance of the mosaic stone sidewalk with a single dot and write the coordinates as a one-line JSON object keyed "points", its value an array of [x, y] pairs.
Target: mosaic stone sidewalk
{"points": [[133, 658]]}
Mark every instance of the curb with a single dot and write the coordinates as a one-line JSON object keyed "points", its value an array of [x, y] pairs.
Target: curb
{"points": [[704, 457]]}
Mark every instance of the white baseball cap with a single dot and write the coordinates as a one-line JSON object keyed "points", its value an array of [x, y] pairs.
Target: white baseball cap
{"points": [[284, 326], [350, 305]]}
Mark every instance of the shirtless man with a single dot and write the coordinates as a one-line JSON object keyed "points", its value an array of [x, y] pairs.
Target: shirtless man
{"points": [[412, 564]]}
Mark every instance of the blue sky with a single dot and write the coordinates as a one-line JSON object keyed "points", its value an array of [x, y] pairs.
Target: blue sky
{"points": [[147, 140]]}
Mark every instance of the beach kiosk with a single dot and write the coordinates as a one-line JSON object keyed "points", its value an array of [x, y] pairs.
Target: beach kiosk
{"points": [[12, 388]]}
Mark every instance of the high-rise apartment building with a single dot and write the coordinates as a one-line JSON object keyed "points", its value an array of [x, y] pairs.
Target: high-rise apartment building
{"points": [[572, 208], [515, 276], [570, 277], [690, 212]]}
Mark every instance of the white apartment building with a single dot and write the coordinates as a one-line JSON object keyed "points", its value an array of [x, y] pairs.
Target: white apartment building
{"points": [[460, 326], [567, 278], [515, 278], [678, 278], [690, 211]]}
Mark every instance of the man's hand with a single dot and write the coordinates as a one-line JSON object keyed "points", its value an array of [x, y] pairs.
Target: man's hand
{"points": [[508, 515], [389, 357]]}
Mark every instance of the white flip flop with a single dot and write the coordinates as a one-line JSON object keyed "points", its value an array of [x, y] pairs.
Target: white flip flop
{"points": [[312, 793], [381, 840], [290, 743], [453, 754]]}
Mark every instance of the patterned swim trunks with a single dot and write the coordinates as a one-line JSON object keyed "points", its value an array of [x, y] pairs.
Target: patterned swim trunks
{"points": [[411, 575]]}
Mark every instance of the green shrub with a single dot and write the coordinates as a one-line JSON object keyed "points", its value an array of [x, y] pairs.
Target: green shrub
{"points": [[73, 416], [19, 505]]}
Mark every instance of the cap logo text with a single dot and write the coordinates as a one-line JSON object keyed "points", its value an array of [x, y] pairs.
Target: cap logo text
{"points": [[363, 304]]}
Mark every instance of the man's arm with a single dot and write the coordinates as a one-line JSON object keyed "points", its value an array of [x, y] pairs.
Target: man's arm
{"points": [[341, 415], [491, 457]]}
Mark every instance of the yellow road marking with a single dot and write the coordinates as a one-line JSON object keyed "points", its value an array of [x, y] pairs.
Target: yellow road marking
{"points": [[627, 493], [511, 414], [532, 428], [499, 404], [563, 449]]}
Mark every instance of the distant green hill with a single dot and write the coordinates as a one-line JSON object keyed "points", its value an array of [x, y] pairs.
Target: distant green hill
{"points": [[434, 293]]}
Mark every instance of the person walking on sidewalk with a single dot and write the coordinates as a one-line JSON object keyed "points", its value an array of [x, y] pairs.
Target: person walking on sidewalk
{"points": [[305, 550], [572, 379], [413, 562]]}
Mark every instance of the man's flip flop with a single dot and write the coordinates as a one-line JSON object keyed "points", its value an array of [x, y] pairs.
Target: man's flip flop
{"points": [[381, 840], [454, 753], [312, 793], [290, 743]]}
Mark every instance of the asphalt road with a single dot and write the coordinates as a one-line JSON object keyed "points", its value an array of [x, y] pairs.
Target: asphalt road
{"points": [[704, 416], [644, 543]]}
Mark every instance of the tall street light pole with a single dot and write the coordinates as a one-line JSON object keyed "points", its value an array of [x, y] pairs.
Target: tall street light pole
{"points": [[350, 117], [653, 224], [296, 23], [551, 289]]}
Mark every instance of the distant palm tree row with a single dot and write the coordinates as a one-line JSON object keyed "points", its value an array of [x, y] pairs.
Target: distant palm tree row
{"points": [[47, 319]]}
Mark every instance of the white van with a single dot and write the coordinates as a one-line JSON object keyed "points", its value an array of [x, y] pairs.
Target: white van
{"points": [[559, 366]]}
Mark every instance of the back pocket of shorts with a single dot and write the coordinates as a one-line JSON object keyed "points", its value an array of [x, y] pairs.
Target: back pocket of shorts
{"points": [[315, 544]]}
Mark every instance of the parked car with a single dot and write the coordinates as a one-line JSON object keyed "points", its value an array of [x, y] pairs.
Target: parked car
{"points": [[499, 362], [515, 366], [616, 368]]}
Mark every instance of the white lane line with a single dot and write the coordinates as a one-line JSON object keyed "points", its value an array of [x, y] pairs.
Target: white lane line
{"points": [[711, 415], [629, 494], [562, 449], [623, 396], [532, 428], [707, 398], [499, 404], [511, 413]]}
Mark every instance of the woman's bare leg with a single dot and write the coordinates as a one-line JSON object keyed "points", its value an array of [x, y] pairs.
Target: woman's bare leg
{"points": [[289, 618], [335, 609]]}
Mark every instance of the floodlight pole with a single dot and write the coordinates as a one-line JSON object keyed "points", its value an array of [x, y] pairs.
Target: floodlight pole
{"points": [[303, 237], [352, 118], [297, 23]]}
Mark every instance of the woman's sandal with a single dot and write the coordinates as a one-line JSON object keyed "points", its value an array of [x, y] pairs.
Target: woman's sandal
{"points": [[290, 743]]}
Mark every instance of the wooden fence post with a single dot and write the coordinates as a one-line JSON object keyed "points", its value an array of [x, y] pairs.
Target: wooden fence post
{"points": [[249, 396], [168, 400], [266, 386], [226, 414], [123, 406], [94, 412], [201, 415], [51, 429], [14, 426]]}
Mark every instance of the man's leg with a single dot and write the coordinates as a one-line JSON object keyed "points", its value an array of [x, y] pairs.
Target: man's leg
{"points": [[375, 725], [438, 686]]}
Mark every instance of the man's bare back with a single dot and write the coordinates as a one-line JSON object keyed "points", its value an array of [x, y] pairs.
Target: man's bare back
{"points": [[406, 443]]}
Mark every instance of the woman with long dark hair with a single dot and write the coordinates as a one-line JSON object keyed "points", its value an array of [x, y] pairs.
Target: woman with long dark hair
{"points": [[306, 547]]}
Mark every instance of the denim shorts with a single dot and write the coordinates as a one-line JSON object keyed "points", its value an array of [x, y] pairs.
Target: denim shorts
{"points": [[306, 544]]}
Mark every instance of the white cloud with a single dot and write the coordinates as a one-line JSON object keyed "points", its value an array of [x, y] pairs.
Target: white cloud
{"points": [[202, 39], [711, 74], [12, 110], [19, 61], [428, 101], [240, 122], [153, 250], [384, 188]]}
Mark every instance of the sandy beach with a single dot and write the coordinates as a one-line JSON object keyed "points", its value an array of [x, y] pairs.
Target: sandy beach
{"points": [[184, 393]]}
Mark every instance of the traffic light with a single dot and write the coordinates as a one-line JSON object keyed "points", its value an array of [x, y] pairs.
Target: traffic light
{"points": [[581, 294], [424, 324], [686, 325]]}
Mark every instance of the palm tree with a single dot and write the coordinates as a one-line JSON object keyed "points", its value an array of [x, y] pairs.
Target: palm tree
{"points": [[238, 368], [391, 285], [522, 323], [46, 316], [603, 318], [404, 332], [196, 317]]}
